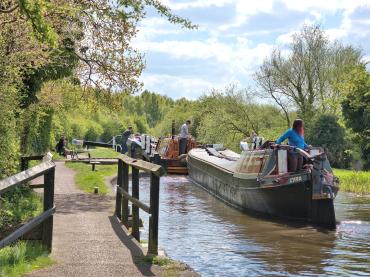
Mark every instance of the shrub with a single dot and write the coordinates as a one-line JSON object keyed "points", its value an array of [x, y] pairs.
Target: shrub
{"points": [[327, 133]]}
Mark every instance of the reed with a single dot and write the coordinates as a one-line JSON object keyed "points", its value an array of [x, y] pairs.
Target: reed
{"points": [[353, 181]]}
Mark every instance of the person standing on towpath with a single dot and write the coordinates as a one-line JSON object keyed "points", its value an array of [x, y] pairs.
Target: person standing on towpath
{"points": [[125, 135], [184, 134]]}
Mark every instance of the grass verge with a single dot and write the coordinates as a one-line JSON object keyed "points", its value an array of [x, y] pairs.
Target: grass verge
{"points": [[86, 179], [18, 206], [101, 152], [353, 181], [22, 258], [170, 267]]}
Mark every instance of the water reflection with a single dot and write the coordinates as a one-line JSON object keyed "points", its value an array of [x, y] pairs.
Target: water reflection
{"points": [[217, 240]]}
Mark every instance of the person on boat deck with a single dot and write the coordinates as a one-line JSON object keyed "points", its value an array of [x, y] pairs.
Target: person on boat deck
{"points": [[125, 135], [295, 137], [184, 134]]}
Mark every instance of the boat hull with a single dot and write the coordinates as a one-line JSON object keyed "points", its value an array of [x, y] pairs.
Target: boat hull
{"points": [[285, 201], [291, 201]]}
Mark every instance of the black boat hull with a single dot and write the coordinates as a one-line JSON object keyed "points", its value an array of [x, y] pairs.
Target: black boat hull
{"points": [[292, 201]]}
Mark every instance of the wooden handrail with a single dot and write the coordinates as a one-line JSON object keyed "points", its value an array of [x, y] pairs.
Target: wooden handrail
{"points": [[134, 200], [33, 157], [47, 169], [25, 176], [143, 165], [123, 196], [34, 222]]}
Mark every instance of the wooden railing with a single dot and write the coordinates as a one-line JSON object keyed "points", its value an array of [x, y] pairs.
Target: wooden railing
{"points": [[47, 169], [25, 160], [123, 197]]}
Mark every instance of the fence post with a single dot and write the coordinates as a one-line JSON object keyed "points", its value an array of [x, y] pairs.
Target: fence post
{"points": [[118, 194], [157, 159], [125, 210], [47, 232], [154, 214], [135, 209], [24, 163]]}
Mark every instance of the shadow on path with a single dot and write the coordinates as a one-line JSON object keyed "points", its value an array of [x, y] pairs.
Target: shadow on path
{"points": [[82, 202], [136, 251]]}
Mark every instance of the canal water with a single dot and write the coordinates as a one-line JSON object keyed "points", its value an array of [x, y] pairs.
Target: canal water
{"points": [[217, 240]]}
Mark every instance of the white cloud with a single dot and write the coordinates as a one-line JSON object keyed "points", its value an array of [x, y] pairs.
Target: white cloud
{"points": [[319, 8], [223, 52], [236, 58], [196, 4], [286, 38], [245, 9], [324, 5], [152, 27], [175, 86]]}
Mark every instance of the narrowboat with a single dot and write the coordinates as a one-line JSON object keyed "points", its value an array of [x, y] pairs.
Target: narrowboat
{"points": [[259, 181], [169, 153]]}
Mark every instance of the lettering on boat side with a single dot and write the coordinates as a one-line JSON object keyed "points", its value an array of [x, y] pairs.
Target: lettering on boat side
{"points": [[295, 179]]}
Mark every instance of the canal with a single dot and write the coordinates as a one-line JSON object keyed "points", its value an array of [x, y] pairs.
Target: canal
{"points": [[217, 240]]}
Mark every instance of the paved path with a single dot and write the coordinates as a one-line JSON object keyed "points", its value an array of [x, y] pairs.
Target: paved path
{"points": [[87, 241]]}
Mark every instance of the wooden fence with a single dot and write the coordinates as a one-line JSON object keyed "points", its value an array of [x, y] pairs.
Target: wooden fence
{"points": [[123, 197], [47, 169]]}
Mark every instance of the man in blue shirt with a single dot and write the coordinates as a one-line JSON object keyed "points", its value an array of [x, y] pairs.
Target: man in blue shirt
{"points": [[295, 137]]}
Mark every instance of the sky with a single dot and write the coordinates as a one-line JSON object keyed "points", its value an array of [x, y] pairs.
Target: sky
{"points": [[233, 39]]}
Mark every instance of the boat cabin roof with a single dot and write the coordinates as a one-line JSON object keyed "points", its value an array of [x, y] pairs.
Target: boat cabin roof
{"points": [[249, 163]]}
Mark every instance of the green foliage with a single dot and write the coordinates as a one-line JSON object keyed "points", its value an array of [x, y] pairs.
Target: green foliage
{"points": [[178, 111], [327, 133], [353, 181], [166, 12], [305, 79], [17, 206], [9, 143], [87, 180], [10, 83], [22, 258], [35, 12], [356, 107], [157, 260], [231, 115]]}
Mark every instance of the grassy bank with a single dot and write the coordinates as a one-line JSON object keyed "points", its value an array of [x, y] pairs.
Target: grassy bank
{"points": [[22, 258], [170, 267], [86, 179], [18, 206], [354, 181]]}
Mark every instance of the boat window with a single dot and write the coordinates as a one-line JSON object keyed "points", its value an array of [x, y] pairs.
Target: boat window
{"points": [[252, 161]]}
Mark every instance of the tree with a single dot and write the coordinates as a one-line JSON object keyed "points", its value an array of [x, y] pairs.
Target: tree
{"points": [[356, 107], [97, 32], [304, 78], [230, 115], [88, 39], [327, 133]]}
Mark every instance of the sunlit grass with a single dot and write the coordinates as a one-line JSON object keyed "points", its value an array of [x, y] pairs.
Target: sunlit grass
{"points": [[86, 179], [101, 152], [22, 258], [170, 267], [353, 181], [18, 206]]}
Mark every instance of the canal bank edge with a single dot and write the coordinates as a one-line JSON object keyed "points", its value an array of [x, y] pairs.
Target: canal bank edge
{"points": [[169, 266]]}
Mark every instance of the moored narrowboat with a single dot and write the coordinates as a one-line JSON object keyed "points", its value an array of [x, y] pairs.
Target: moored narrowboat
{"points": [[259, 181], [169, 153]]}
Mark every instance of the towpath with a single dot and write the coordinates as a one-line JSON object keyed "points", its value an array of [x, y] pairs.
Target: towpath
{"points": [[87, 241]]}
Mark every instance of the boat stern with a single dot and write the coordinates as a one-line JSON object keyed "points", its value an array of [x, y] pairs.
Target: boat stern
{"points": [[325, 187]]}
